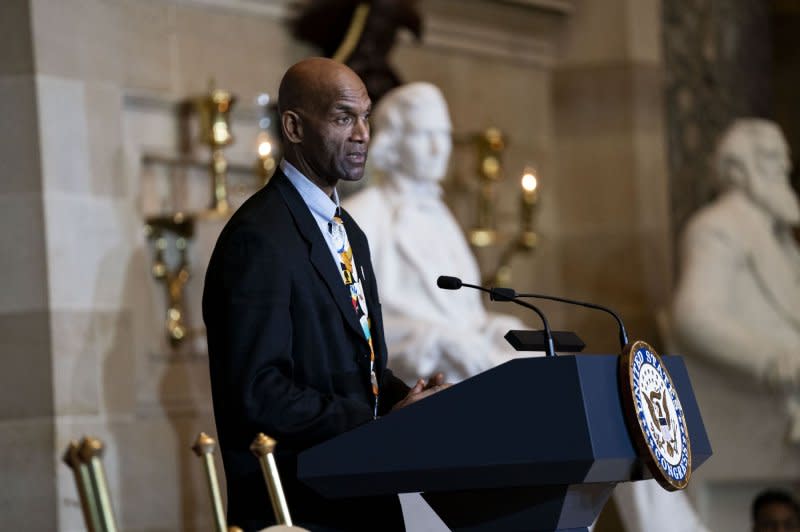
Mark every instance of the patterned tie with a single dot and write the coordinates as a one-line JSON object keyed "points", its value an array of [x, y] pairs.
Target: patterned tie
{"points": [[352, 281]]}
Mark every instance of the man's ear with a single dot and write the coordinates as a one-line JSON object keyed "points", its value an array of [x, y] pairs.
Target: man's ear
{"points": [[292, 127]]}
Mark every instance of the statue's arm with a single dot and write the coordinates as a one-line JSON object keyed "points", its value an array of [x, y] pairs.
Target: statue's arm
{"points": [[421, 347]]}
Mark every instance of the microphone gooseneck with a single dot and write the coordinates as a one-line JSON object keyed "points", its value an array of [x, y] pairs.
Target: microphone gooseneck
{"points": [[454, 283]]}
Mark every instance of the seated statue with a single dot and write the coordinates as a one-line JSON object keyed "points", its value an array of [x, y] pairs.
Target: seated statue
{"points": [[414, 238], [737, 303]]}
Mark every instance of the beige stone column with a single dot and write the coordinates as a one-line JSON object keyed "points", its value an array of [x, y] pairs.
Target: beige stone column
{"points": [[27, 500], [612, 190], [80, 316]]}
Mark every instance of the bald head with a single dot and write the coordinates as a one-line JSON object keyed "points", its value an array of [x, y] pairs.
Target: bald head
{"points": [[307, 83], [324, 109]]}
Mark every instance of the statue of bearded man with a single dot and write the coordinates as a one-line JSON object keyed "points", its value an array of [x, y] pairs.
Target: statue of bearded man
{"points": [[737, 304], [738, 300]]}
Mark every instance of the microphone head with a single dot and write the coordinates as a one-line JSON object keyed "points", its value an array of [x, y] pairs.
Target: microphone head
{"points": [[448, 283]]}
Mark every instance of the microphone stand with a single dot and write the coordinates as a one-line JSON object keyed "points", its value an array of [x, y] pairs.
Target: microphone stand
{"points": [[549, 349], [509, 294]]}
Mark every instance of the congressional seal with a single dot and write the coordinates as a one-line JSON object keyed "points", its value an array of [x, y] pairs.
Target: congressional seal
{"points": [[654, 415]]}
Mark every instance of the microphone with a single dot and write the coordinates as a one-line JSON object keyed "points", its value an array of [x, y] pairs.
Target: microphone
{"points": [[509, 294], [446, 282]]}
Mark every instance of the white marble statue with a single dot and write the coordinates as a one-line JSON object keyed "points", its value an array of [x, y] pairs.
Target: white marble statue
{"points": [[414, 238], [738, 300]]}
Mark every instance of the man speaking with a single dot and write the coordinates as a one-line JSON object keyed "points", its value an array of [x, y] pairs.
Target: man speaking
{"points": [[295, 335]]}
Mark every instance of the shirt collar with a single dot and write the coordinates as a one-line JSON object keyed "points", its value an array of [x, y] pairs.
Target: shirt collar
{"points": [[318, 202]]}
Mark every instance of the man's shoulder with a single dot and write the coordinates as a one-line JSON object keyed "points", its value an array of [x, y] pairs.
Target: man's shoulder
{"points": [[265, 206], [263, 217]]}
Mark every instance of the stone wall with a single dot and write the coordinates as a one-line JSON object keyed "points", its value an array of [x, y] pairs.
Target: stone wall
{"points": [[89, 87]]}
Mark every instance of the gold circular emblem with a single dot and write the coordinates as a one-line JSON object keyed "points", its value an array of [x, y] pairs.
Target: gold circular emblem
{"points": [[654, 415]]}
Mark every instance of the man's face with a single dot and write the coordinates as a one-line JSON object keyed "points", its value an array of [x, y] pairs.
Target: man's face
{"points": [[336, 132], [776, 517], [424, 146], [770, 187]]}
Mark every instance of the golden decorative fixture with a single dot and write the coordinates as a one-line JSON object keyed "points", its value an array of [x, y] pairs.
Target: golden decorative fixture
{"points": [[262, 448], [214, 111], [204, 448], [527, 239], [265, 164], [490, 146], [162, 230], [84, 459], [214, 114], [171, 231]]}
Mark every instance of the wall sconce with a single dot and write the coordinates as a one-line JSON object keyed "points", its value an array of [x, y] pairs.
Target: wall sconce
{"points": [[265, 164], [163, 230], [490, 145], [171, 232], [530, 200], [214, 111], [527, 239]]}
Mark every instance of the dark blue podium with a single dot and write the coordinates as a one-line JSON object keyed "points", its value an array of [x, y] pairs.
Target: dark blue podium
{"points": [[535, 444]]}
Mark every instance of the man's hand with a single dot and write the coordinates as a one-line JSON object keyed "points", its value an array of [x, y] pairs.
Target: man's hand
{"points": [[423, 389]]}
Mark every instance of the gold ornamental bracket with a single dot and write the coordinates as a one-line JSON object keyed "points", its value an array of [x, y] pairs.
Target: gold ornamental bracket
{"points": [[214, 112], [266, 163], [171, 235], [526, 239], [204, 126], [202, 122], [490, 146]]}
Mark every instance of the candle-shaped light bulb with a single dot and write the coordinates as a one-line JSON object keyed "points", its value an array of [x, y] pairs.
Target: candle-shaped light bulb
{"points": [[264, 147], [529, 186], [529, 182], [265, 164]]}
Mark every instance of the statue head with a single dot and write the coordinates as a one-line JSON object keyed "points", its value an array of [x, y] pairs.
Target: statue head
{"points": [[753, 156], [412, 133]]}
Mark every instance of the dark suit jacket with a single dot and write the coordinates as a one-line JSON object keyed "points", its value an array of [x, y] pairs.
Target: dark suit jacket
{"points": [[288, 356]]}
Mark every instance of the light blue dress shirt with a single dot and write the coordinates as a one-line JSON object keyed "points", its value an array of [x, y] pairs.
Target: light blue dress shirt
{"points": [[322, 207]]}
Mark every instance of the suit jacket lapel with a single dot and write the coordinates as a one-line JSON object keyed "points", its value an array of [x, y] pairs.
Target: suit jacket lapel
{"points": [[319, 253]]}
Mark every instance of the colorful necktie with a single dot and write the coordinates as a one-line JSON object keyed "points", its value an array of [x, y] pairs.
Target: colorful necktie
{"points": [[353, 283]]}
